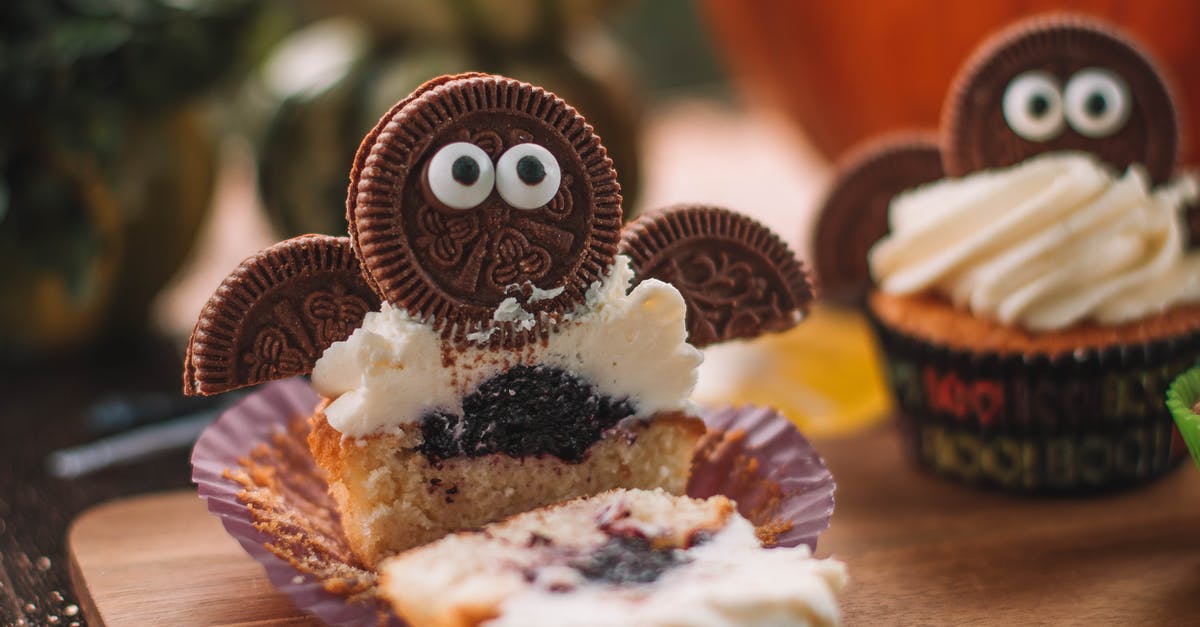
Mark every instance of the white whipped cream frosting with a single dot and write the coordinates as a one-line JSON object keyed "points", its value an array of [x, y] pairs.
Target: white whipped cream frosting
{"points": [[730, 581], [1052, 241], [390, 371]]}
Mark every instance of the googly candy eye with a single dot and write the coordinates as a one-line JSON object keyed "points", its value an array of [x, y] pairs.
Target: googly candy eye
{"points": [[461, 175], [1097, 102], [527, 176], [1033, 106]]}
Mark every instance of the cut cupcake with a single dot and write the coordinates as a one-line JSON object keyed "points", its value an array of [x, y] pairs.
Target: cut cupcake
{"points": [[523, 351], [624, 557], [519, 360]]}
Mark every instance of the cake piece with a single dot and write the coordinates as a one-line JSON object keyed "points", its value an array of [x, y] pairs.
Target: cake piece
{"points": [[624, 557]]}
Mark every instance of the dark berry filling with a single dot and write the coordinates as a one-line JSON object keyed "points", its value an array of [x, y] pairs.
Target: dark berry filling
{"points": [[527, 410], [628, 559]]}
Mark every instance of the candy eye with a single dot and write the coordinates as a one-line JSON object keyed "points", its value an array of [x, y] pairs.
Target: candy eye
{"points": [[1097, 102], [527, 176], [461, 175], [1033, 106]]}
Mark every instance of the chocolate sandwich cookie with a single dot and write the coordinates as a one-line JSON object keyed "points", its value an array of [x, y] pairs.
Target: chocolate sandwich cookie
{"points": [[274, 316], [479, 189], [853, 215], [738, 278], [1060, 83]]}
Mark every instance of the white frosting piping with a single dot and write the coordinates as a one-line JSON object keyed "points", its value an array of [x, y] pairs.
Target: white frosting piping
{"points": [[1045, 244], [389, 372]]}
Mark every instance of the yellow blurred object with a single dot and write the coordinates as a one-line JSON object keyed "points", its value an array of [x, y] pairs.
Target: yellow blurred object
{"points": [[825, 375]]}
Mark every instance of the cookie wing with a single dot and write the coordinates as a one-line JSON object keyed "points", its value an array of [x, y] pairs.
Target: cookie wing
{"points": [[738, 278], [853, 215], [274, 316]]}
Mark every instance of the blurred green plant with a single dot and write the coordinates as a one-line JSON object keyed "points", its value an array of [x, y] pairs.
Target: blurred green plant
{"points": [[326, 84], [106, 157]]}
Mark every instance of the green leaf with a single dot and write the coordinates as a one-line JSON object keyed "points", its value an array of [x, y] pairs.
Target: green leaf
{"points": [[77, 39]]}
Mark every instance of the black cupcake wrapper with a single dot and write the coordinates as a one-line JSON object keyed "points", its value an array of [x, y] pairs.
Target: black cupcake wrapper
{"points": [[1089, 420]]}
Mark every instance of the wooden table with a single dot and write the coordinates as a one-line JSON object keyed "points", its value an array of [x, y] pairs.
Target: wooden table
{"points": [[920, 551], [923, 551], [41, 410]]}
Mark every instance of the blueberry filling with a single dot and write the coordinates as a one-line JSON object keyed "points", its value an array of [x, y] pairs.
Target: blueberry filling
{"points": [[527, 410], [628, 559]]}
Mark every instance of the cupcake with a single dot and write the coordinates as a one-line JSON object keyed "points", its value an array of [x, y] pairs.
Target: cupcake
{"points": [[625, 557], [1183, 401], [489, 339], [1032, 306]]}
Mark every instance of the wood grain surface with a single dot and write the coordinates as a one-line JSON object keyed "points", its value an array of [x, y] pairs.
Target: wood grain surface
{"points": [[924, 551], [920, 551], [163, 559]]}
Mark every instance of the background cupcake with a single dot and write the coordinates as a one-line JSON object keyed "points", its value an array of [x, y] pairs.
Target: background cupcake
{"points": [[1183, 397], [1033, 310]]}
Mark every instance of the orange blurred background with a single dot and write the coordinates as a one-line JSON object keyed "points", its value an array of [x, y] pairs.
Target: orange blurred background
{"points": [[851, 69]]}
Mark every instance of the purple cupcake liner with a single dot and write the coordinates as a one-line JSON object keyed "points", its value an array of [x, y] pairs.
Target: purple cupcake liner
{"points": [[245, 425], [753, 455], [784, 459]]}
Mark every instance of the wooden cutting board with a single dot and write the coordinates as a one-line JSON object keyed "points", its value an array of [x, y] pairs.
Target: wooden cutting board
{"points": [[920, 551], [163, 559]]}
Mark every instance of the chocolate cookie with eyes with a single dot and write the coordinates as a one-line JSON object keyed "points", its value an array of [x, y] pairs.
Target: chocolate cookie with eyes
{"points": [[478, 190], [1047, 84], [1061, 83]]}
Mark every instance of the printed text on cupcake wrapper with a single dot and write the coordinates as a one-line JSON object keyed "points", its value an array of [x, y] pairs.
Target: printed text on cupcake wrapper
{"points": [[1040, 433], [1038, 462]]}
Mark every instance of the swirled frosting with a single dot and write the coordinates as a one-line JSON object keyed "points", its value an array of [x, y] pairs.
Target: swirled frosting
{"points": [[630, 344], [1052, 241]]}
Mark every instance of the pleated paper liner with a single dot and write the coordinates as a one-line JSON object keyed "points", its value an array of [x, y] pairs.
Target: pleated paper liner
{"points": [[1181, 402], [254, 469], [1086, 421]]}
